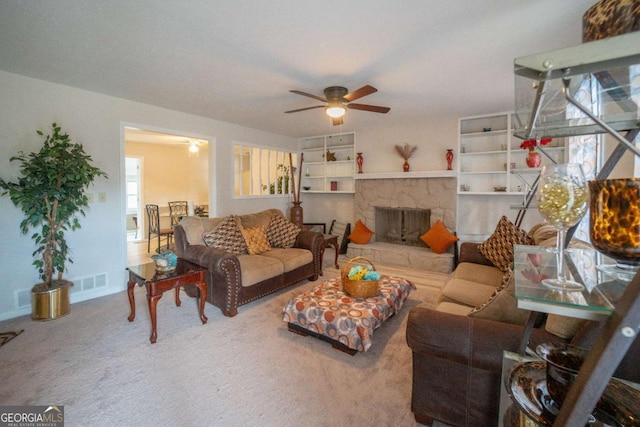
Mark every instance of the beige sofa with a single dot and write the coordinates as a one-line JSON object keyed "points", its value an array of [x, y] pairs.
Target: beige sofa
{"points": [[234, 277]]}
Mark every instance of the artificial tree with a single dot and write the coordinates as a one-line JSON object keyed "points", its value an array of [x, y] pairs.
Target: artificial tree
{"points": [[51, 192]]}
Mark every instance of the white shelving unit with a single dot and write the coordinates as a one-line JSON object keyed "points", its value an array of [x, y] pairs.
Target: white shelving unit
{"points": [[329, 176], [493, 177]]}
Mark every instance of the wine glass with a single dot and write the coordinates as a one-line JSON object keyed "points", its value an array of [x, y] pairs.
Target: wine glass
{"points": [[562, 199]]}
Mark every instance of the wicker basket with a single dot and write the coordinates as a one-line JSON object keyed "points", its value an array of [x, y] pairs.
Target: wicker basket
{"points": [[359, 288]]}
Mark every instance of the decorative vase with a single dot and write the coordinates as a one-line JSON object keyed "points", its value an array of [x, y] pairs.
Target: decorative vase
{"points": [[359, 161], [296, 214], [405, 167], [614, 220], [50, 303], [166, 261], [533, 158], [449, 156]]}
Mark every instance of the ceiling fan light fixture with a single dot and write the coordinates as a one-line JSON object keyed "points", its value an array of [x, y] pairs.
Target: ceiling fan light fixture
{"points": [[335, 110]]}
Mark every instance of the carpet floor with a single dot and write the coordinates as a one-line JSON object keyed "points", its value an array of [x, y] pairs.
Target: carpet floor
{"points": [[248, 370]]}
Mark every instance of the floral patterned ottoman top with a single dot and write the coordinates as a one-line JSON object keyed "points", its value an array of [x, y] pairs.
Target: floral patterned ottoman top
{"points": [[327, 310]]}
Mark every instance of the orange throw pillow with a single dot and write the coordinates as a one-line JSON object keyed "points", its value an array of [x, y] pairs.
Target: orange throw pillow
{"points": [[361, 234], [438, 238]]}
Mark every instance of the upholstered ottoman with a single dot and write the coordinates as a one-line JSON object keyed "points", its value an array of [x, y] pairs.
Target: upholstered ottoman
{"points": [[328, 313]]}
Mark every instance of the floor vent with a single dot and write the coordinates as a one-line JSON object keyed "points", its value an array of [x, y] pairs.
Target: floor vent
{"points": [[88, 283], [91, 282], [23, 298]]}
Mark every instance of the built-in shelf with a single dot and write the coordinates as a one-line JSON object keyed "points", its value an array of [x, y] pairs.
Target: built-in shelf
{"points": [[417, 174], [322, 175], [491, 193]]}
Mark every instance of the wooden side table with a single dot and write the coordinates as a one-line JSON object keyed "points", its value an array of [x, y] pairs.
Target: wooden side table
{"points": [[331, 240], [186, 273]]}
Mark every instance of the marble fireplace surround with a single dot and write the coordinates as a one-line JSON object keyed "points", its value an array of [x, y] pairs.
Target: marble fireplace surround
{"points": [[437, 193]]}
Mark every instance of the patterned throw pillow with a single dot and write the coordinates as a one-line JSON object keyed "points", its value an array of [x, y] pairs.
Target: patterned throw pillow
{"points": [[226, 236], [256, 240], [498, 248], [502, 305], [282, 233]]}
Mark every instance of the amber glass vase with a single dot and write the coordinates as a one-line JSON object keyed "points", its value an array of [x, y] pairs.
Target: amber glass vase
{"points": [[615, 220]]}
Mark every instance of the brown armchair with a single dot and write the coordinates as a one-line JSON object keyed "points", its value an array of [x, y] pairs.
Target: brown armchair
{"points": [[457, 358], [457, 364]]}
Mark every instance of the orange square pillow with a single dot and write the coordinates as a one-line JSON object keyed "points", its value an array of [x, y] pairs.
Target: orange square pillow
{"points": [[361, 234], [438, 238], [256, 239]]}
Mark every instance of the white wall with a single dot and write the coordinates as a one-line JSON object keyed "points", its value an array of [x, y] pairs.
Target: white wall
{"points": [[96, 121], [170, 173], [432, 136]]}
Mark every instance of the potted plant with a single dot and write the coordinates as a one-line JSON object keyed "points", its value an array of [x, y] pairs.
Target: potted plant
{"points": [[50, 191]]}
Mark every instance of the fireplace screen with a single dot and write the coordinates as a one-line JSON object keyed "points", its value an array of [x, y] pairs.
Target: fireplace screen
{"points": [[402, 226]]}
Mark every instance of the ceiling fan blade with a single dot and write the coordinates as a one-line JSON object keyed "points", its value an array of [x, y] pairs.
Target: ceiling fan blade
{"points": [[337, 120], [319, 98], [365, 107], [304, 109], [359, 93]]}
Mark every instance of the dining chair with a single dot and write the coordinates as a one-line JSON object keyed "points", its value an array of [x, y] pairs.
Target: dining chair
{"points": [[342, 230], [177, 210], [153, 220]]}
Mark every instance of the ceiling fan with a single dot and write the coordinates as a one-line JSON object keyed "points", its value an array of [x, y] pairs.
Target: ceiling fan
{"points": [[339, 99]]}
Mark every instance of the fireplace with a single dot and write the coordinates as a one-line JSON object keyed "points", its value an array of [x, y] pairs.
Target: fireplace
{"points": [[401, 226]]}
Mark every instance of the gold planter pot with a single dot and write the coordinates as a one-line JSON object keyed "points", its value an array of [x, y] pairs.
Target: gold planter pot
{"points": [[49, 304]]}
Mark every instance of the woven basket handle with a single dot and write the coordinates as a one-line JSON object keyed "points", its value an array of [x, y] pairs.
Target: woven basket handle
{"points": [[361, 258]]}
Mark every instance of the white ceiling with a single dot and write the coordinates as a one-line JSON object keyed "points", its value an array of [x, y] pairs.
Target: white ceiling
{"points": [[236, 60]]}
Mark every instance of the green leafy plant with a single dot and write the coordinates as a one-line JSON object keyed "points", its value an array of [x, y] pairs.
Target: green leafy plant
{"points": [[51, 192], [282, 181]]}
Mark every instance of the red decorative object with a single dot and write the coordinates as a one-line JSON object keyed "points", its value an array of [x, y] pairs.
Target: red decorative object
{"points": [[405, 167], [533, 143], [359, 161], [533, 158], [449, 159]]}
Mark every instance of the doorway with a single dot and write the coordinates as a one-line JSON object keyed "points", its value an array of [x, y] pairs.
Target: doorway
{"points": [[133, 187], [161, 166]]}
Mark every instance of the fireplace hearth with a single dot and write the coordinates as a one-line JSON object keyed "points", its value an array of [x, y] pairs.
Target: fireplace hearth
{"points": [[401, 226]]}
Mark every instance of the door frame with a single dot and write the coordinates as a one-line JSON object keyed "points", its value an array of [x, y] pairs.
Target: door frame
{"points": [[209, 152]]}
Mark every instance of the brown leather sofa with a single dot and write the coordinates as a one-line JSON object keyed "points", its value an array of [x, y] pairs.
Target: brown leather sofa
{"points": [[457, 358], [237, 279]]}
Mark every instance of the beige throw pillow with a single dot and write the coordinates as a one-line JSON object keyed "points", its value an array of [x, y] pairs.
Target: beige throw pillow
{"points": [[498, 248], [562, 326]]}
